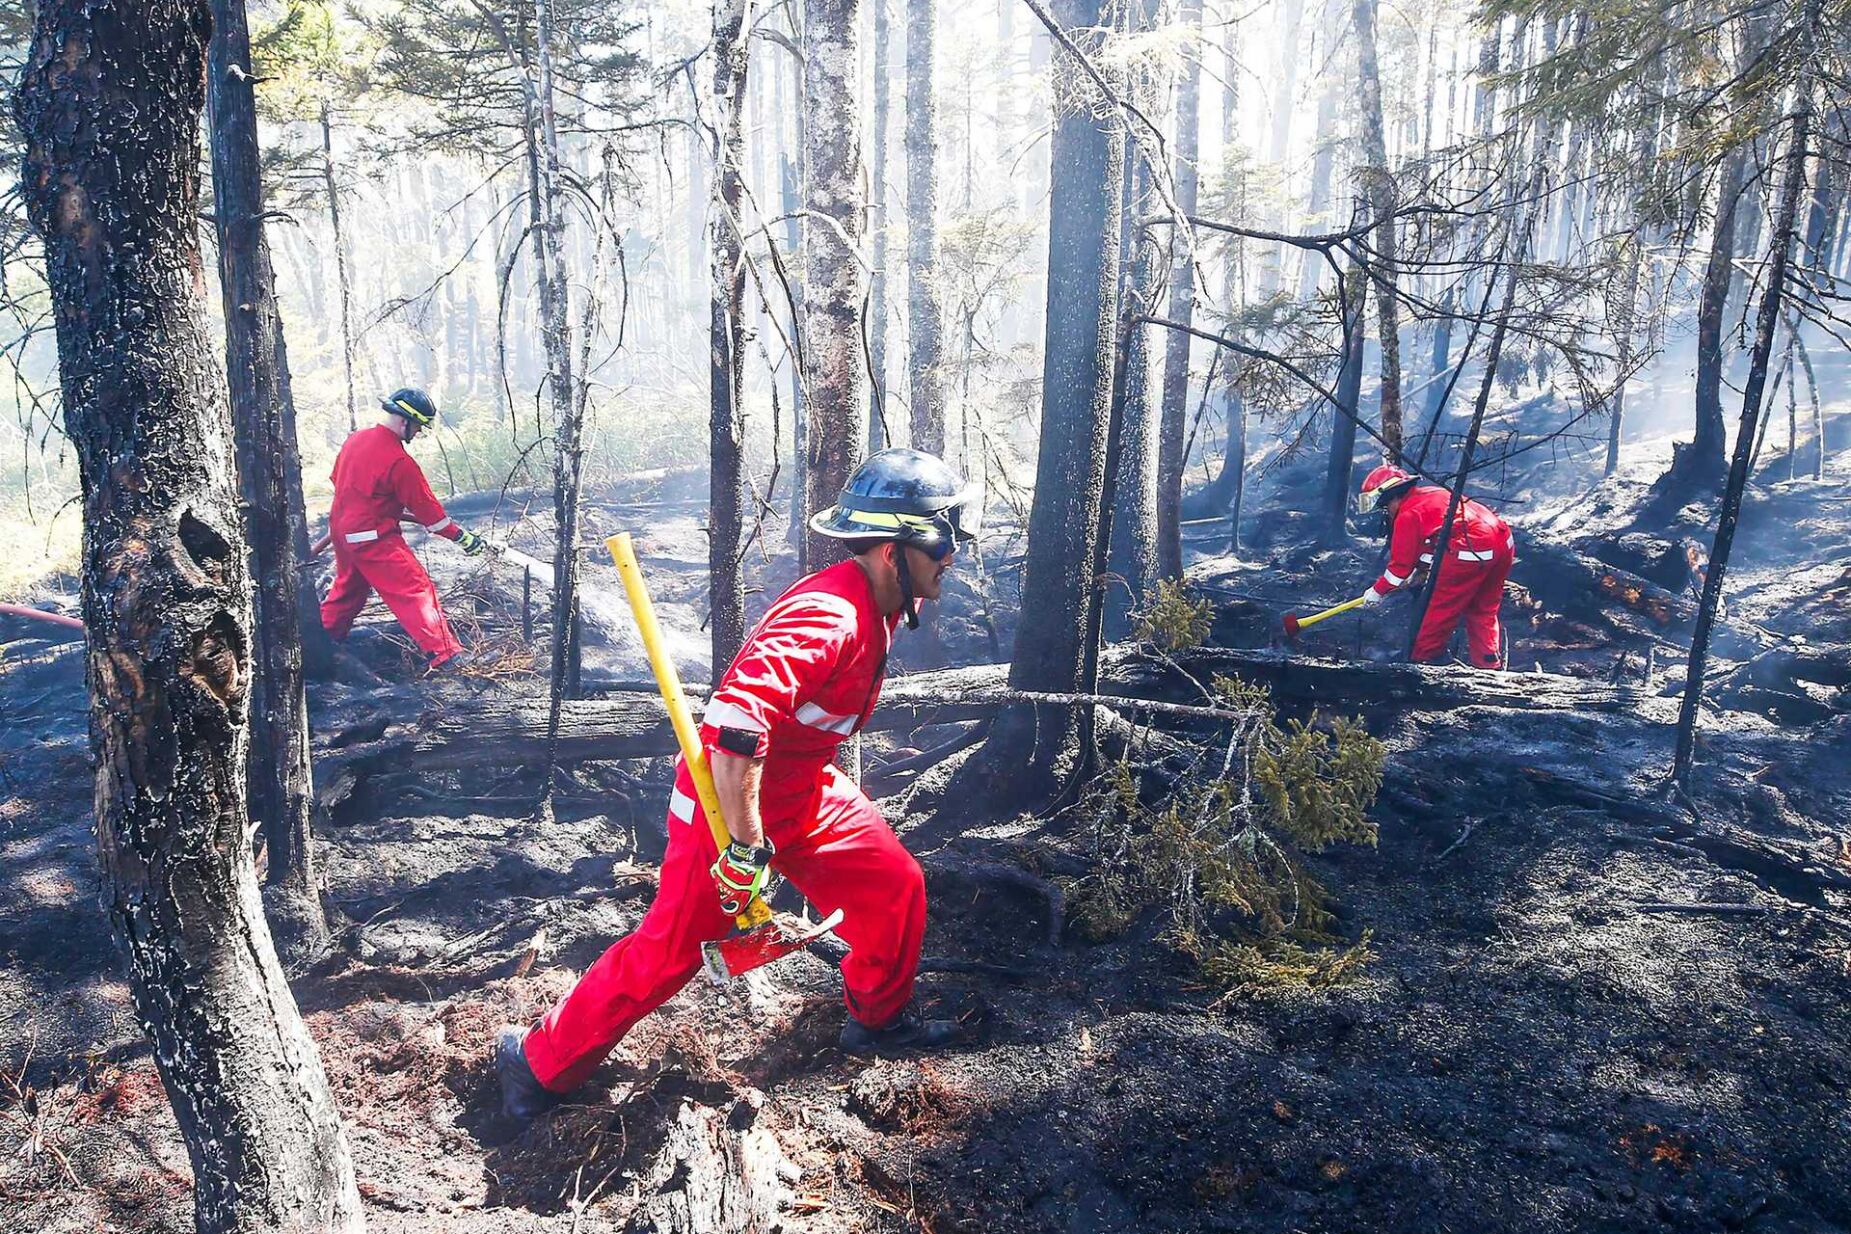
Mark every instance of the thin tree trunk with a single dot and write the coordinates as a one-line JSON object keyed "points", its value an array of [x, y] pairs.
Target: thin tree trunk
{"points": [[1780, 251], [1818, 412], [1625, 329], [726, 325], [924, 312], [1030, 749], [109, 106], [270, 474], [877, 294], [1701, 462], [1323, 166], [1379, 183], [332, 188], [1342, 427], [835, 281], [1284, 98], [1170, 460]]}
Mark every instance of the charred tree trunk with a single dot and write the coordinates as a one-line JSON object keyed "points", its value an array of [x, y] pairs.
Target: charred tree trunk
{"points": [[1379, 183], [1170, 460], [1030, 749], [1625, 329], [1701, 462], [726, 331], [332, 188], [548, 217], [1343, 423], [925, 313], [1133, 568], [834, 287], [877, 280], [270, 475], [1767, 320], [109, 106]]}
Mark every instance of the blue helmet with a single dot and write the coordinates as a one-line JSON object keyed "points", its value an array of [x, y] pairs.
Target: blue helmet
{"points": [[908, 496]]}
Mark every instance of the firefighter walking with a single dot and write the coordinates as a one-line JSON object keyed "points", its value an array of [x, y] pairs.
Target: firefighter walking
{"points": [[377, 483], [1468, 585], [805, 681]]}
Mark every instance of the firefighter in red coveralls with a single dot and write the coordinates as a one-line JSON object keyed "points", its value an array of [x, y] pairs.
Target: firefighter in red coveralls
{"points": [[1470, 582], [804, 682], [376, 482]]}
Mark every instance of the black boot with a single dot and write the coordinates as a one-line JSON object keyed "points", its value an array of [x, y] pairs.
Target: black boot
{"points": [[904, 1035], [522, 1094]]}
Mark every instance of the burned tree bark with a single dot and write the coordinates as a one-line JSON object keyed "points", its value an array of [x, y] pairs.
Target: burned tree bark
{"points": [[332, 188], [726, 332], [270, 475], [1767, 321], [1379, 183], [1701, 462], [924, 312], [1170, 460], [555, 334], [879, 220], [834, 277], [1030, 748], [109, 106], [1343, 426]]}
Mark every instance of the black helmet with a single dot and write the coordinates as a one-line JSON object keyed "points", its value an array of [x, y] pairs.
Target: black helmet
{"points": [[413, 404], [904, 495]]}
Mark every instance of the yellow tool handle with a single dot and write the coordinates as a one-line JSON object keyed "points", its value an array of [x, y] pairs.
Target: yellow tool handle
{"points": [[1340, 609], [668, 681]]}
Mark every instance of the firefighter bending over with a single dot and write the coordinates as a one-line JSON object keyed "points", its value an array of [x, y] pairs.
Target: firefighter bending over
{"points": [[1470, 584], [376, 483]]}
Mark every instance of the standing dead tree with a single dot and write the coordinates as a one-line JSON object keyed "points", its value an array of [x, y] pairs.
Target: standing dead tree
{"points": [[263, 418], [1031, 749], [109, 105], [1780, 246], [726, 332], [924, 307], [835, 284]]}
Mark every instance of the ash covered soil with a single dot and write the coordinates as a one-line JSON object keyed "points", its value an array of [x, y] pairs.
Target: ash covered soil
{"points": [[1590, 1007]]}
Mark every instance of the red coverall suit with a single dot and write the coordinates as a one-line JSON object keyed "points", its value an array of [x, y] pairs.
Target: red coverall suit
{"points": [[805, 680], [376, 480], [1471, 582]]}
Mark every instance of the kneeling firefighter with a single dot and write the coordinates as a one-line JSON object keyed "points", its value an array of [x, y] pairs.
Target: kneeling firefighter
{"points": [[805, 680], [1468, 585]]}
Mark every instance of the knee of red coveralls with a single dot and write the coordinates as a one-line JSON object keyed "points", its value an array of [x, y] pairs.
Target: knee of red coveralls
{"points": [[346, 597]]}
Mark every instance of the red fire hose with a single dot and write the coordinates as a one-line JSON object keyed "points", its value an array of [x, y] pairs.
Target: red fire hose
{"points": [[57, 619]]}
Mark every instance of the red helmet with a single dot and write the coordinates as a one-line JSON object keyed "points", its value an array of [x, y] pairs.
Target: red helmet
{"points": [[1381, 484]]}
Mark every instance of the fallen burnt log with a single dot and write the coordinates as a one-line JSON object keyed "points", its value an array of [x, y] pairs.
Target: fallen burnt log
{"points": [[503, 732], [1581, 589]]}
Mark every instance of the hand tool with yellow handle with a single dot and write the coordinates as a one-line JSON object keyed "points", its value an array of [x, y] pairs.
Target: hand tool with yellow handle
{"points": [[760, 936], [1294, 623]]}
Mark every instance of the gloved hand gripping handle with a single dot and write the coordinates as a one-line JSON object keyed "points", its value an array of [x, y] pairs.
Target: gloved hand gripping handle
{"points": [[687, 733]]}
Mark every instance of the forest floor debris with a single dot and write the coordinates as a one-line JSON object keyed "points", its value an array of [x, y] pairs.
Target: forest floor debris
{"points": [[1585, 1008]]}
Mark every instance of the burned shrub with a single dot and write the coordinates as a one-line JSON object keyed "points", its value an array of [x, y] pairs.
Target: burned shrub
{"points": [[1218, 851]]}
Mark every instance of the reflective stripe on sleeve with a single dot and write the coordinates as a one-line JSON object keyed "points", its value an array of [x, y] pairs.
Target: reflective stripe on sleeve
{"points": [[1393, 579], [441, 524], [722, 714], [828, 721], [681, 807], [1426, 559], [360, 537]]}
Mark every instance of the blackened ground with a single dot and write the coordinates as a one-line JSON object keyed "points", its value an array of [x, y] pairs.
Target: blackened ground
{"points": [[1539, 1043]]}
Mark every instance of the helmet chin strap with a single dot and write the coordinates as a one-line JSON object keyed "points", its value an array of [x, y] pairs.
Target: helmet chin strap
{"points": [[907, 605]]}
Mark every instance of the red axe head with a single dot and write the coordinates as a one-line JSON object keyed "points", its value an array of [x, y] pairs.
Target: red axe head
{"points": [[1291, 625], [744, 950]]}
